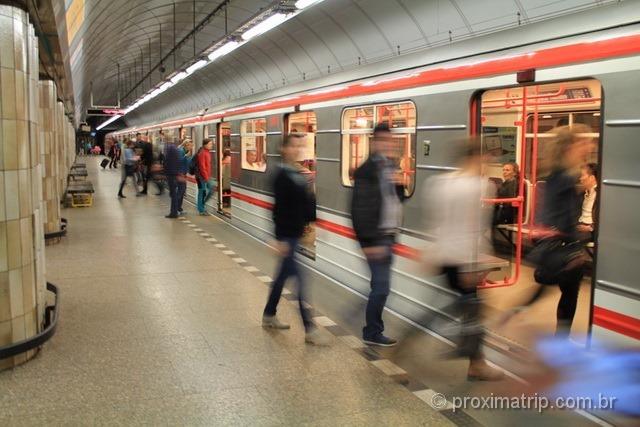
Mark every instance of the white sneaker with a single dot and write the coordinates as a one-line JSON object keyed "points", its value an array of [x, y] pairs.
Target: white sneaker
{"points": [[316, 337], [273, 322]]}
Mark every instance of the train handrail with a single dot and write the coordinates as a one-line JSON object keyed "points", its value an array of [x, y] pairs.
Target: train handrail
{"points": [[50, 325]]}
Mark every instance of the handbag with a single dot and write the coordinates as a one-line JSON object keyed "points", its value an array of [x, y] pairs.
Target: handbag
{"points": [[551, 256]]}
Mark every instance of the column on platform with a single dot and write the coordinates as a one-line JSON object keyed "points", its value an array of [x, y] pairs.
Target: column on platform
{"points": [[61, 174], [20, 286], [51, 211]]}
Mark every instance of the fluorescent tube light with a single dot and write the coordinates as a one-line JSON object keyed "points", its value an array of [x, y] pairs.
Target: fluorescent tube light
{"points": [[264, 26], [166, 86], [223, 50], [109, 121], [194, 67], [301, 4], [181, 75]]}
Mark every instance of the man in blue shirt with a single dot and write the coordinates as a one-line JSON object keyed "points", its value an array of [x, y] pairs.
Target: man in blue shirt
{"points": [[185, 153]]}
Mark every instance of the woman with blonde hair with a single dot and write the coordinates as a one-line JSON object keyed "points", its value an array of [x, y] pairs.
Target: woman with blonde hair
{"points": [[558, 252]]}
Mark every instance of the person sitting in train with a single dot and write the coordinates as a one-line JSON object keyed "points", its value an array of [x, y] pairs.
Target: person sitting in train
{"points": [[376, 212], [505, 212], [252, 161], [588, 181]]}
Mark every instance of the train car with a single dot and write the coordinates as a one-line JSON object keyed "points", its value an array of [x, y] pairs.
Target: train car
{"points": [[510, 98]]}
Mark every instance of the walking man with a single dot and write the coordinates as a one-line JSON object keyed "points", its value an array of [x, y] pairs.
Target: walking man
{"points": [[376, 212], [294, 208]]}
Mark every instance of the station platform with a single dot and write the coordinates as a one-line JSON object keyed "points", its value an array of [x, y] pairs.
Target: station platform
{"points": [[160, 324]]}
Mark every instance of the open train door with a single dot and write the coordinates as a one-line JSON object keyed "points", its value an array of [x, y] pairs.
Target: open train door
{"points": [[518, 128], [223, 159]]}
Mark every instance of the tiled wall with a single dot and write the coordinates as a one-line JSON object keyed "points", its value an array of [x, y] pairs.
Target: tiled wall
{"points": [[47, 90], [21, 231]]}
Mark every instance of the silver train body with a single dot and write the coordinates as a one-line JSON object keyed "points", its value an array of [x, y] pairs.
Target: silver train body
{"points": [[446, 111]]}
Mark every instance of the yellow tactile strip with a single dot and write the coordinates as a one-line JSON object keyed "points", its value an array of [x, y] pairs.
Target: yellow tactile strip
{"points": [[387, 367]]}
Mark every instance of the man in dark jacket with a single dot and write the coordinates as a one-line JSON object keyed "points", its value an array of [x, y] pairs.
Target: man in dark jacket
{"points": [[294, 208], [376, 212], [172, 171], [147, 163]]}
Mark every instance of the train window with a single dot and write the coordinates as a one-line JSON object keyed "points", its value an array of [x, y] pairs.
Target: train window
{"points": [[304, 124], [253, 137], [357, 129]]}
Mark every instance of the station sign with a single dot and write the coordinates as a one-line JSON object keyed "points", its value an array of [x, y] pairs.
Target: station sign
{"points": [[104, 112]]}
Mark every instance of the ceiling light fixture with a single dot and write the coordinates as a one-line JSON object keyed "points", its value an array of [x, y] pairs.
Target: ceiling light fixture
{"points": [[107, 122], [181, 75], [224, 49], [264, 26], [196, 66], [302, 4]]}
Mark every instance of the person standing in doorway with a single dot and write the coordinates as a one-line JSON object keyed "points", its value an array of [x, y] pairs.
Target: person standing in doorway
{"points": [[203, 175], [376, 212], [294, 208], [185, 153], [172, 172]]}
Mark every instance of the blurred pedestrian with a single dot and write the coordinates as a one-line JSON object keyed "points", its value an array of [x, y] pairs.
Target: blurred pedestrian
{"points": [[203, 175], [558, 253], [172, 171], [130, 160], [294, 208], [376, 211], [456, 219]]}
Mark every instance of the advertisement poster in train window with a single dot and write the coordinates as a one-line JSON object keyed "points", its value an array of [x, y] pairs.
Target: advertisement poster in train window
{"points": [[500, 142]]}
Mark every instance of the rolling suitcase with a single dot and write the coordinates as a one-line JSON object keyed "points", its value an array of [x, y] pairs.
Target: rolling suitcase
{"points": [[104, 163]]}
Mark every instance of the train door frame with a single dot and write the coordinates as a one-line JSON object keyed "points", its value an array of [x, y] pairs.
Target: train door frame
{"points": [[475, 130], [219, 157], [306, 248]]}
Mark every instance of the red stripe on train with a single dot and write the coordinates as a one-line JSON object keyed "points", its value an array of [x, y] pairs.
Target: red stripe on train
{"points": [[543, 58], [616, 322]]}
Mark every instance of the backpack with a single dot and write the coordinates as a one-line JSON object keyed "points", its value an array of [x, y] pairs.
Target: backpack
{"points": [[193, 164]]}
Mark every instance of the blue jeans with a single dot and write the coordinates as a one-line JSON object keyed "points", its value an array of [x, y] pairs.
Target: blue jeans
{"points": [[380, 285], [204, 194], [288, 268]]}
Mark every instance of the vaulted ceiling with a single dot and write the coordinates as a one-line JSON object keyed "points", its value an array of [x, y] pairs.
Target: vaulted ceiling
{"points": [[133, 36]]}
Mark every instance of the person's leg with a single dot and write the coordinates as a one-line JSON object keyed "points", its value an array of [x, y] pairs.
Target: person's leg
{"points": [[123, 181], [173, 190], [182, 189], [145, 178], [286, 269], [200, 196], [208, 194], [380, 278], [569, 288]]}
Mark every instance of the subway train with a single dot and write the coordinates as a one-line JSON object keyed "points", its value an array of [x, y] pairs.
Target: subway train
{"points": [[511, 99]]}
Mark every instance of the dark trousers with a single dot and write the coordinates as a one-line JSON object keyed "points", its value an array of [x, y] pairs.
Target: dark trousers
{"points": [[182, 189], [467, 306], [127, 171], [146, 176], [380, 286], [288, 268], [569, 284], [172, 182], [113, 162]]}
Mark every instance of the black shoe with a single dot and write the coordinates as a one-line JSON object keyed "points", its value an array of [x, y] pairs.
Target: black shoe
{"points": [[140, 194], [380, 341], [159, 194], [171, 216], [122, 196]]}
